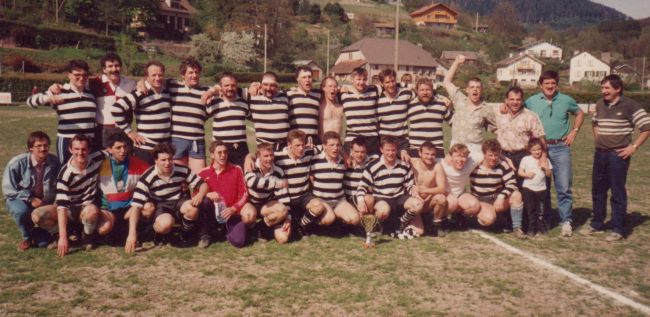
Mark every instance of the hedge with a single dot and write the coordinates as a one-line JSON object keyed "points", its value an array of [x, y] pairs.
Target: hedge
{"points": [[45, 37]]}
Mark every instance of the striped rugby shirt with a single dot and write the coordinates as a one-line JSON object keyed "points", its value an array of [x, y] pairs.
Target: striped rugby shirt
{"points": [[616, 122], [229, 119], [270, 118], [425, 122], [263, 188], [152, 187], [304, 110], [353, 175], [152, 114], [360, 110], [76, 114], [385, 182], [497, 182], [75, 188], [392, 114], [296, 171], [327, 177], [188, 111], [106, 94]]}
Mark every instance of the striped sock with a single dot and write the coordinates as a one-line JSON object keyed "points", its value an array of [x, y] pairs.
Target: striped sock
{"points": [[307, 219], [187, 225], [406, 219]]}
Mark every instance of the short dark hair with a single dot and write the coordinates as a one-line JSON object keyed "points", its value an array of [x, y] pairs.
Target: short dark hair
{"points": [[301, 69], [76, 64], [330, 135], [110, 56], [424, 81], [515, 89], [227, 75], [163, 148], [37, 135], [491, 145], [189, 62], [534, 141], [118, 137], [296, 134], [549, 74], [81, 138], [614, 80], [387, 140], [359, 71], [153, 63], [359, 141], [215, 144], [387, 73], [427, 145]]}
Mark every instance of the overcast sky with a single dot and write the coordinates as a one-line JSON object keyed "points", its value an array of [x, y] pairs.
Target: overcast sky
{"points": [[637, 9]]}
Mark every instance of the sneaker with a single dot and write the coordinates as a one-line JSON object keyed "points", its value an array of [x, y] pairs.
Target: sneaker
{"points": [[439, 229], [567, 230], [519, 234], [402, 235], [87, 241], [23, 245], [589, 230], [204, 241], [302, 233], [54, 244], [614, 236]]}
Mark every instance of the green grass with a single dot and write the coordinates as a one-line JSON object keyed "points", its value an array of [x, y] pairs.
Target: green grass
{"points": [[460, 275]]}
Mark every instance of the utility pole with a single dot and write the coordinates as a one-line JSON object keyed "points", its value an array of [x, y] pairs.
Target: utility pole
{"points": [[265, 35], [327, 67], [396, 63], [476, 26]]}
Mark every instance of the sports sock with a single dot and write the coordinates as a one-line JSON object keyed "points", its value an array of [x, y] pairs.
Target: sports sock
{"points": [[516, 213], [406, 219], [307, 219], [188, 225], [89, 227]]}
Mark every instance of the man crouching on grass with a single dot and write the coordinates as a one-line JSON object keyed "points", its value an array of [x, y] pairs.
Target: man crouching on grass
{"points": [[164, 185]]}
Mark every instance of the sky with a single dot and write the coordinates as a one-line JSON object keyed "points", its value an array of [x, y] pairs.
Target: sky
{"points": [[637, 9]]}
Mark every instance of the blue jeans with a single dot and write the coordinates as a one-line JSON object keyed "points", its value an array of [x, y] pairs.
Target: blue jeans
{"points": [[560, 157], [609, 172], [22, 214]]}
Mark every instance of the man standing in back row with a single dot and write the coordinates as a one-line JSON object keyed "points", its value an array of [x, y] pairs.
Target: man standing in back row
{"points": [[553, 109]]}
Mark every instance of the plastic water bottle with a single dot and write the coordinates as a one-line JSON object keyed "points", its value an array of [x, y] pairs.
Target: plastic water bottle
{"points": [[219, 207]]}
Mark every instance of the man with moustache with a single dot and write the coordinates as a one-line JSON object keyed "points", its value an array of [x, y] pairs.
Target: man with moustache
{"points": [[29, 182], [613, 125], [269, 113]]}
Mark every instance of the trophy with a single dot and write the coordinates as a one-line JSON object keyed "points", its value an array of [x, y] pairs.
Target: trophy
{"points": [[369, 222]]}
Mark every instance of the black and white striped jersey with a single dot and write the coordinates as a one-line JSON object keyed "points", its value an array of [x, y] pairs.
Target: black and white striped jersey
{"points": [[152, 116], [425, 123], [296, 171], [486, 182], [229, 119], [155, 188], [327, 177], [76, 188], [270, 118], [360, 112], [353, 175], [392, 114], [188, 111], [263, 188], [304, 110], [76, 115], [386, 182]]}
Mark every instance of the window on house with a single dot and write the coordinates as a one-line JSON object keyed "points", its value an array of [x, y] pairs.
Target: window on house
{"points": [[556, 53], [542, 53], [349, 55]]}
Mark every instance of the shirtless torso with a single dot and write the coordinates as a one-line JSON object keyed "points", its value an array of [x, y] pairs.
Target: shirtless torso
{"points": [[331, 114]]}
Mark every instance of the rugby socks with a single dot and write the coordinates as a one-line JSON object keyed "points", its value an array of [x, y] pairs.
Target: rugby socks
{"points": [[307, 219], [89, 227], [516, 213], [187, 225], [406, 219]]}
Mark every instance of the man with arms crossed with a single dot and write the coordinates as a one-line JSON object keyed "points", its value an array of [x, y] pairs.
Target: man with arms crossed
{"points": [[613, 124], [431, 186], [166, 186], [267, 191], [304, 102], [471, 113], [553, 109], [29, 182], [390, 183], [493, 183]]}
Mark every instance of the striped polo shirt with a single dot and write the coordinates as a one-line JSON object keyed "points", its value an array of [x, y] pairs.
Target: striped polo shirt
{"points": [[77, 188], [493, 182], [304, 110], [188, 111], [76, 114], [152, 115], [152, 187], [392, 113], [106, 94], [616, 122], [229, 119], [270, 118], [327, 177], [386, 182], [425, 123], [263, 188], [353, 175], [360, 110], [296, 171]]}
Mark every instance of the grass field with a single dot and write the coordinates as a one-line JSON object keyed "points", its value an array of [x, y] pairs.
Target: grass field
{"points": [[462, 274]]}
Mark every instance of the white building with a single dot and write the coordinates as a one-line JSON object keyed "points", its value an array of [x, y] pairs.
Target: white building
{"points": [[522, 70], [543, 50], [376, 55], [585, 66]]}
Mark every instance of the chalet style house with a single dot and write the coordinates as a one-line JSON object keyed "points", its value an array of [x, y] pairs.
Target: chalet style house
{"points": [[435, 15], [522, 70]]}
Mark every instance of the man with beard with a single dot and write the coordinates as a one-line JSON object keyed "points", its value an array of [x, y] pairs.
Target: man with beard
{"points": [[426, 114], [269, 113]]}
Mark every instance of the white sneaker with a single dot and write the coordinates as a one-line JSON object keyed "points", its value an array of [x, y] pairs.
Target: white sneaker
{"points": [[567, 230]]}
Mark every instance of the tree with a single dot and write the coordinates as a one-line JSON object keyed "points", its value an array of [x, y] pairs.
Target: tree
{"points": [[314, 14], [127, 51], [204, 49], [237, 49], [336, 12]]}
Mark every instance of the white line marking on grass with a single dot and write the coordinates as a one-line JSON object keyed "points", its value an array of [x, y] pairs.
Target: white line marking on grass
{"points": [[543, 263], [23, 118]]}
